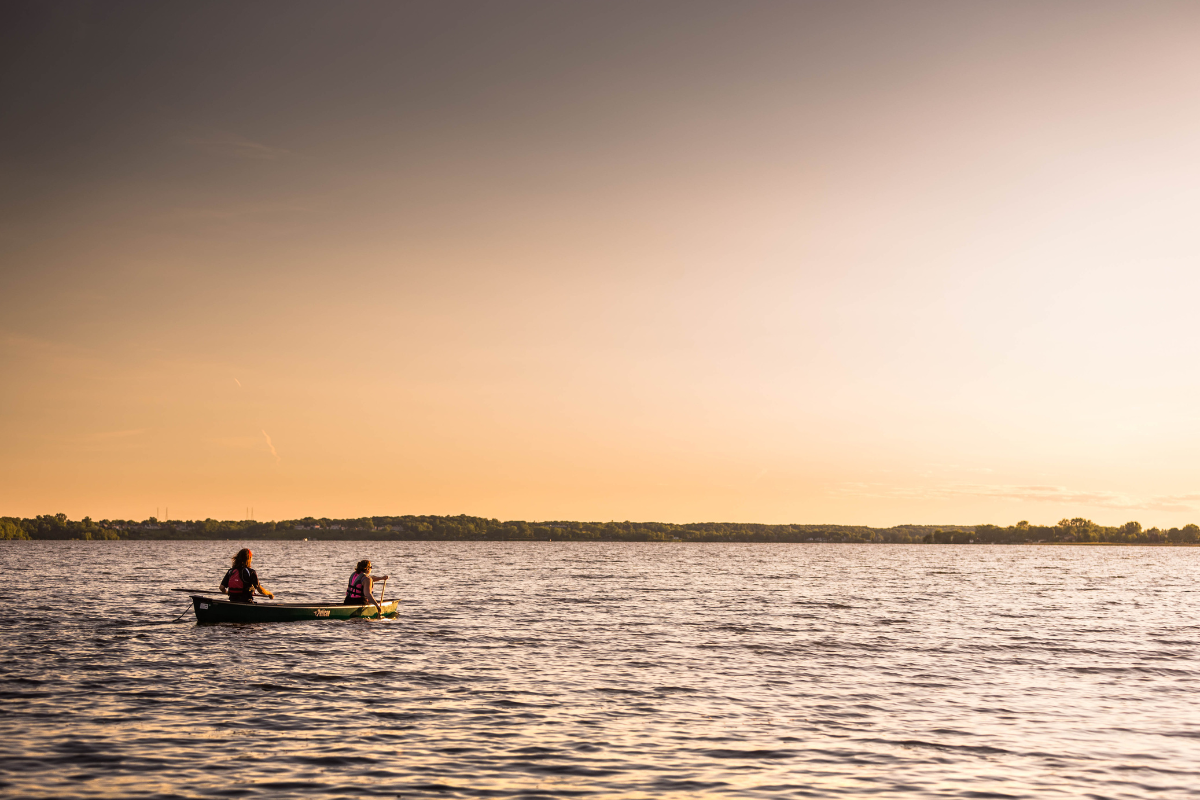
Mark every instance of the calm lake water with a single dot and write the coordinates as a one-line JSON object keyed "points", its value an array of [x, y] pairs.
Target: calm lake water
{"points": [[607, 670]]}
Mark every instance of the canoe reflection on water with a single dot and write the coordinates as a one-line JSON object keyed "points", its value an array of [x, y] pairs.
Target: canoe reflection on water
{"points": [[212, 610]]}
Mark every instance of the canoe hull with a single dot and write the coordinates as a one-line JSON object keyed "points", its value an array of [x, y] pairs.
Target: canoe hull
{"points": [[210, 610]]}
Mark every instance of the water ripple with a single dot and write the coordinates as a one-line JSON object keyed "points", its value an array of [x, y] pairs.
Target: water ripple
{"points": [[530, 670]]}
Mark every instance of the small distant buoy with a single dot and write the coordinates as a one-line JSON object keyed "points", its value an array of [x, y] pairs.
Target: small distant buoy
{"points": [[306, 538]]}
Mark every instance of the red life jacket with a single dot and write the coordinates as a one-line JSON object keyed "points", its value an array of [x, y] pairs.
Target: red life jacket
{"points": [[237, 581], [355, 590]]}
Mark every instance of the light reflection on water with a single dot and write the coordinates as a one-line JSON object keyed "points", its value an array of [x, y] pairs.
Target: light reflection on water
{"points": [[607, 670]]}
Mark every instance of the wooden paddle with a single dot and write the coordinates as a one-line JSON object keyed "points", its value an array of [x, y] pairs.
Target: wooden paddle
{"points": [[382, 592], [205, 592]]}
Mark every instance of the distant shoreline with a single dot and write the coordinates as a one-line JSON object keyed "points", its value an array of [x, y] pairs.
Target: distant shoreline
{"points": [[619, 541], [411, 528]]}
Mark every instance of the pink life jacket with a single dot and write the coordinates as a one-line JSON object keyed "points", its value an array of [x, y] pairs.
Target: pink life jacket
{"points": [[238, 583], [354, 592]]}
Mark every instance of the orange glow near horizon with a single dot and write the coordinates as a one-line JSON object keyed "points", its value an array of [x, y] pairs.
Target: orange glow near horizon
{"points": [[852, 263]]}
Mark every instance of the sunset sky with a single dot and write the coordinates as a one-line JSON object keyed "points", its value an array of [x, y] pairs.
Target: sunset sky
{"points": [[862, 263]]}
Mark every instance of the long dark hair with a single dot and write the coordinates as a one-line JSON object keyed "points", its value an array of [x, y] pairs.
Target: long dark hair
{"points": [[363, 565], [242, 558]]}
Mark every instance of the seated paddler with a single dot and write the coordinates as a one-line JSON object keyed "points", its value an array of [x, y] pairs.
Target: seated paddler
{"points": [[361, 587], [241, 581]]}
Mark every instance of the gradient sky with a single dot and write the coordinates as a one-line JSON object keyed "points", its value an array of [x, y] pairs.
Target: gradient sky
{"points": [[867, 263]]}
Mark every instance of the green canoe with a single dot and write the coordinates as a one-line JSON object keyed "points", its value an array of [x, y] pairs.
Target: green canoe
{"points": [[210, 610]]}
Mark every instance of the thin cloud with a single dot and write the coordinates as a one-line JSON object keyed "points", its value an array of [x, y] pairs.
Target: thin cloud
{"points": [[236, 442], [24, 342], [104, 439], [1058, 495], [237, 147], [237, 211], [106, 435], [239, 383], [271, 446], [24, 345]]}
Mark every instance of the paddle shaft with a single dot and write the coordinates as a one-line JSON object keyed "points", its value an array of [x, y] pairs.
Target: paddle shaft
{"points": [[206, 591]]}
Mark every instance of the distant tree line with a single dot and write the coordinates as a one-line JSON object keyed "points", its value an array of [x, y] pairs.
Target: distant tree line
{"points": [[464, 528], [1078, 530]]}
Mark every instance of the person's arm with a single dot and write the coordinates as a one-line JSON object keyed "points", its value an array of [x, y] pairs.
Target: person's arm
{"points": [[369, 589], [225, 584], [263, 591]]}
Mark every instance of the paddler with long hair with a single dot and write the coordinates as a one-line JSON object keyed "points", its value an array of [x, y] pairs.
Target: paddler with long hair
{"points": [[360, 588], [241, 580]]}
